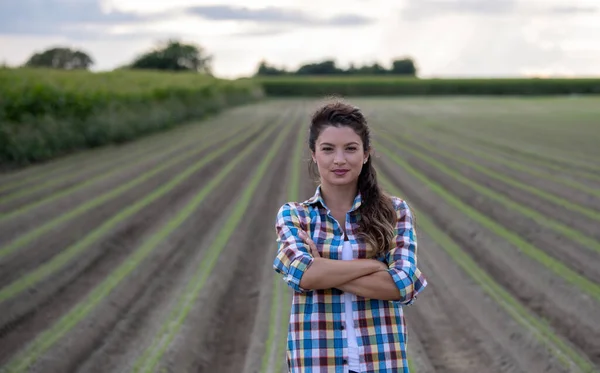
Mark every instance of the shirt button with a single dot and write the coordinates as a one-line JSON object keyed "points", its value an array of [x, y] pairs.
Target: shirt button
{"points": [[343, 327], [345, 361]]}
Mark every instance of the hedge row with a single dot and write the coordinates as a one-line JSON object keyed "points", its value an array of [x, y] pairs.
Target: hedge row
{"points": [[46, 113], [396, 86]]}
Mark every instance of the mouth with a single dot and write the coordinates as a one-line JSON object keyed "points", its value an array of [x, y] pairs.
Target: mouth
{"points": [[340, 172]]}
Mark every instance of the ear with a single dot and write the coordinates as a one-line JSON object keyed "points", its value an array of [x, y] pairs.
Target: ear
{"points": [[367, 155], [313, 156]]}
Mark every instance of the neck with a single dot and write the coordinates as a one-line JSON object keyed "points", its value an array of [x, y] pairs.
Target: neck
{"points": [[339, 197]]}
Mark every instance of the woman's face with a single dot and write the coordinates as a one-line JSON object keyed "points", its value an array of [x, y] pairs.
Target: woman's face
{"points": [[339, 155]]}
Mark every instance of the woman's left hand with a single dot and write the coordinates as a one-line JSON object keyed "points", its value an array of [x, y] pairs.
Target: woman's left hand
{"points": [[310, 243]]}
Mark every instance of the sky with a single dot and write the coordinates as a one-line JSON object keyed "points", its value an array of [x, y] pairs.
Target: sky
{"points": [[446, 38]]}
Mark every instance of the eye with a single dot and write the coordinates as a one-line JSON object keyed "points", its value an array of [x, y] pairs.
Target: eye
{"points": [[327, 148], [353, 148]]}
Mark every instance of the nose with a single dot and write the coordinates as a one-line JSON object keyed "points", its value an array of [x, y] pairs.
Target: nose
{"points": [[339, 159]]}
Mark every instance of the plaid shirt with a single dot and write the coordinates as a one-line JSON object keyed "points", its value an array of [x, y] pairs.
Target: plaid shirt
{"points": [[316, 340]]}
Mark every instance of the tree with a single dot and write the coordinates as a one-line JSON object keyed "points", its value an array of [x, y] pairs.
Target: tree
{"points": [[327, 67], [405, 66], [175, 56], [61, 58], [265, 69]]}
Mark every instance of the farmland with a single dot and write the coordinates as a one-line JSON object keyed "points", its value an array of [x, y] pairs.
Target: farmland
{"points": [[155, 255]]}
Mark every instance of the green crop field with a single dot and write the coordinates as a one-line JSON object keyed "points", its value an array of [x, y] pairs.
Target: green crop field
{"points": [[156, 255], [46, 113], [391, 85]]}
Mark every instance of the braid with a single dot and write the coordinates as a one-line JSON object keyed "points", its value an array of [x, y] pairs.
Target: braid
{"points": [[378, 215]]}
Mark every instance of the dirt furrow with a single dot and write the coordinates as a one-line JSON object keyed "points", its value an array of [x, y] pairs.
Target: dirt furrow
{"points": [[416, 352], [25, 213], [19, 196], [575, 219], [581, 258], [541, 290], [137, 327], [45, 246], [237, 303], [463, 330], [551, 183], [450, 335], [418, 122], [114, 249], [100, 247], [504, 146], [66, 166], [263, 353]]}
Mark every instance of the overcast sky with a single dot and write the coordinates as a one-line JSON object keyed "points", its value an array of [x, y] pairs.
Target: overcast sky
{"points": [[445, 37]]}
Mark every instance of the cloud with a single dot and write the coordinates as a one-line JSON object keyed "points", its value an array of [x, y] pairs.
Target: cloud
{"points": [[573, 10], [422, 9], [58, 17], [273, 15], [425, 8]]}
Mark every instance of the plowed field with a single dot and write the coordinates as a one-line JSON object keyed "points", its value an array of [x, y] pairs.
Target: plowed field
{"points": [[156, 256]]}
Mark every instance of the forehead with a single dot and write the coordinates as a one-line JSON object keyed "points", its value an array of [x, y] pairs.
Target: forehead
{"points": [[338, 136]]}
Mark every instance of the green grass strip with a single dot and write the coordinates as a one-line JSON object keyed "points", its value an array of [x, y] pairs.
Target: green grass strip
{"points": [[47, 339], [510, 164], [66, 255], [533, 252], [280, 358], [411, 364], [97, 201], [592, 214], [148, 361], [567, 355], [273, 325], [541, 219], [272, 345]]}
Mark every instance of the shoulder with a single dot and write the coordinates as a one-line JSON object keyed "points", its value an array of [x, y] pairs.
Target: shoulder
{"points": [[399, 203], [292, 209], [401, 206], [298, 207]]}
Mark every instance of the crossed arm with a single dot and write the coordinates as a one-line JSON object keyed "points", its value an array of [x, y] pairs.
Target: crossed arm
{"points": [[397, 279], [368, 278]]}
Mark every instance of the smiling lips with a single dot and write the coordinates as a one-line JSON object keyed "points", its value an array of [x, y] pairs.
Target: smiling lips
{"points": [[340, 172]]}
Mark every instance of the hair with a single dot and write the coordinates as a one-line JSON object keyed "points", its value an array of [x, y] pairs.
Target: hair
{"points": [[377, 212]]}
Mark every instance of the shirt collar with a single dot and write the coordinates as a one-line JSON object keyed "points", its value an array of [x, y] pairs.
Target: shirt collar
{"points": [[318, 198]]}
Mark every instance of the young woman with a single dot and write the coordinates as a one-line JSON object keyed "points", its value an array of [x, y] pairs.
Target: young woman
{"points": [[350, 255]]}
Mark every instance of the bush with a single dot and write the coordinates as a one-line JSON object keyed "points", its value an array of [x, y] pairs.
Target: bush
{"points": [[46, 113], [396, 86]]}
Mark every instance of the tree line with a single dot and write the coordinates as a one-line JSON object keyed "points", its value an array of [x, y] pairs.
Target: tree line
{"points": [[174, 55], [403, 66]]}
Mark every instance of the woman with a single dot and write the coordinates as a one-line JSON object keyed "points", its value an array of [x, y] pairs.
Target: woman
{"points": [[349, 254]]}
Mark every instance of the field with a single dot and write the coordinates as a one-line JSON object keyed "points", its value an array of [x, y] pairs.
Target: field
{"points": [[155, 256], [390, 85], [47, 113]]}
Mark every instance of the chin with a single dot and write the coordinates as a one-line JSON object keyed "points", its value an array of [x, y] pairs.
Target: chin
{"points": [[341, 181]]}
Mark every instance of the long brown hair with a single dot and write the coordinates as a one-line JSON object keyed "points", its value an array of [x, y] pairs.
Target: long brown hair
{"points": [[377, 213]]}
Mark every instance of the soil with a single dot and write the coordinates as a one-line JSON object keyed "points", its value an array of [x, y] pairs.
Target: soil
{"points": [[455, 326]]}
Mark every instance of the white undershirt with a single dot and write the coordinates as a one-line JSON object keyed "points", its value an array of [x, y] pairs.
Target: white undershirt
{"points": [[353, 358]]}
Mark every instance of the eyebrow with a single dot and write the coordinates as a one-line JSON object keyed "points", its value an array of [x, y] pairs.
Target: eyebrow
{"points": [[350, 143]]}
